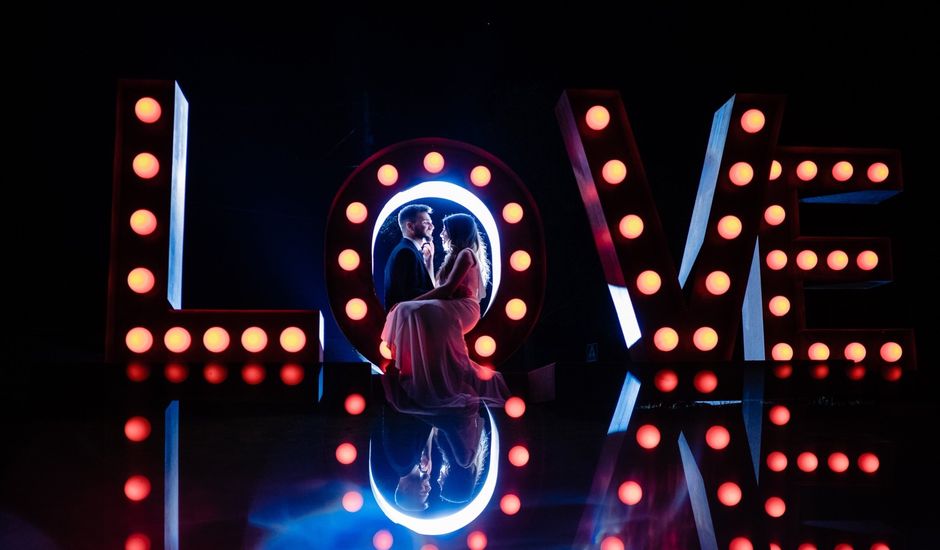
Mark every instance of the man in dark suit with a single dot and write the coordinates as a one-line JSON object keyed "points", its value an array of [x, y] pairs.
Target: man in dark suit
{"points": [[408, 269]]}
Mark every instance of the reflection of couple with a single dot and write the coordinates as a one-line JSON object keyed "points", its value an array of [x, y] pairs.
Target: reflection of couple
{"points": [[449, 449], [435, 391]]}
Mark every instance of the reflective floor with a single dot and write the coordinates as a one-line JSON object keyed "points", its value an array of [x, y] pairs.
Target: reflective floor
{"points": [[266, 469]]}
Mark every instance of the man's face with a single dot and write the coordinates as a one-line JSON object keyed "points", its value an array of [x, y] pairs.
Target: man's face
{"points": [[422, 226]]}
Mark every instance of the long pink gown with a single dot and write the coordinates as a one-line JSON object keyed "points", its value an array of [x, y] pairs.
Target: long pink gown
{"points": [[435, 369]]}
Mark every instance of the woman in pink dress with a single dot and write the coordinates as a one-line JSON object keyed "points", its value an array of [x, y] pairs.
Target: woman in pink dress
{"points": [[433, 371]]}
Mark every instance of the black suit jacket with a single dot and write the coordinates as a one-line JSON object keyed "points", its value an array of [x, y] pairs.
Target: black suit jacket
{"points": [[406, 277]]}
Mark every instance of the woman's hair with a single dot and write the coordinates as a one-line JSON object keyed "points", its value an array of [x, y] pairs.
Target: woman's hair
{"points": [[463, 233]]}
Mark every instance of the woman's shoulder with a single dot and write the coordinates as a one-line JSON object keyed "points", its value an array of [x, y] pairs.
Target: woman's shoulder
{"points": [[468, 253]]}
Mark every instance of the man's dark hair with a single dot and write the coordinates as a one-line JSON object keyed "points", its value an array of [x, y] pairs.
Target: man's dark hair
{"points": [[410, 214]]}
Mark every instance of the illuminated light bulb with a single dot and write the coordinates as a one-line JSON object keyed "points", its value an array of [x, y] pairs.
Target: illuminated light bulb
{"points": [[807, 462], [216, 339], [717, 282], [705, 338], [480, 176], [143, 222], [776, 461], [520, 260], [806, 260], [867, 260], [346, 453], [510, 504], [837, 260], [868, 463], [776, 169], [779, 415], [729, 493], [838, 462], [776, 259], [356, 309], [518, 456], [254, 339], [891, 352], [485, 346], [355, 404], [137, 429], [648, 282], [177, 339], [515, 407], [146, 166], [775, 214], [718, 437], [631, 226], [139, 340], [137, 488], [293, 339], [705, 381], [387, 175], [140, 280], [782, 352], [842, 170], [385, 350], [807, 170], [855, 352], [357, 212], [597, 117], [348, 259], [877, 172], [741, 174], [743, 543], [666, 380], [476, 540], [753, 120], [818, 351], [352, 501], [630, 493], [666, 339], [614, 171], [515, 309], [292, 374], [512, 212], [647, 436], [612, 543], [775, 507], [434, 162], [148, 110], [382, 540], [779, 306], [729, 227]]}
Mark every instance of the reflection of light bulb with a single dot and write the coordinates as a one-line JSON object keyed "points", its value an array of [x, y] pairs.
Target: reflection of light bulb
{"points": [[450, 522]]}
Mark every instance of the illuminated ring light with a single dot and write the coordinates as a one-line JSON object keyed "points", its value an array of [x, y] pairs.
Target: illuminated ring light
{"points": [[453, 183], [451, 522]]}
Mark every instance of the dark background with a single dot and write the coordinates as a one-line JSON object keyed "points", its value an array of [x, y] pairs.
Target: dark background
{"points": [[284, 103]]}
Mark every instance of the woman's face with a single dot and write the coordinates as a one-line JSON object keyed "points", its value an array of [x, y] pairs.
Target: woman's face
{"points": [[445, 238]]}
